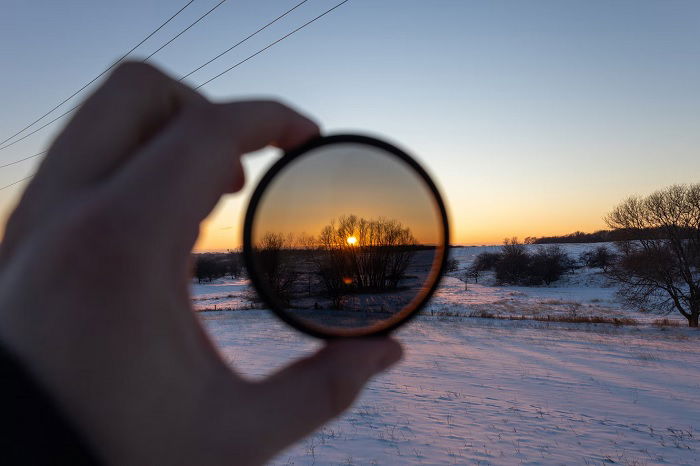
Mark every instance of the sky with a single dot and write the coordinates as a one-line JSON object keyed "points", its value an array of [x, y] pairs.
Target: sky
{"points": [[340, 180], [535, 118]]}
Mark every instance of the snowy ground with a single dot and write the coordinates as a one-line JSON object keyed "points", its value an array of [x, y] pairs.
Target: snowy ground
{"points": [[489, 391], [484, 391], [586, 292], [232, 294]]}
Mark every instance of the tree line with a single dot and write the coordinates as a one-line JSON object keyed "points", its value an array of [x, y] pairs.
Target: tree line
{"points": [[655, 262], [210, 266], [350, 255], [603, 236]]}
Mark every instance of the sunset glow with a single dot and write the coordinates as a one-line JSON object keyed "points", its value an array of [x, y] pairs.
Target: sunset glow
{"points": [[352, 240], [537, 131]]}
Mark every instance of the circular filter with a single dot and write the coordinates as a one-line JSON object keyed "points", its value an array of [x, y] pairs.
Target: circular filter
{"points": [[345, 236]]}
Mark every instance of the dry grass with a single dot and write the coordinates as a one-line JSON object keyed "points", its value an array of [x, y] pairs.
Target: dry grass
{"points": [[560, 318], [243, 307], [665, 322]]}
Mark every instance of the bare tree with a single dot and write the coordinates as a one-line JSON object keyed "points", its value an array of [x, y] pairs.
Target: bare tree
{"points": [[273, 255], [209, 266], [662, 270], [363, 255]]}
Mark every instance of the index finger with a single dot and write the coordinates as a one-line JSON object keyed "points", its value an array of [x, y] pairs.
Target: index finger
{"points": [[196, 159], [134, 103]]}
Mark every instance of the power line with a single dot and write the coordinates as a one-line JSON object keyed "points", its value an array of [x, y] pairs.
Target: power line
{"points": [[202, 84], [99, 75], [243, 40], [22, 160], [72, 109], [272, 44], [184, 30], [188, 74], [17, 182], [163, 46]]}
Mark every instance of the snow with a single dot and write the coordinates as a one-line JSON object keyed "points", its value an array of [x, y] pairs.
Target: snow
{"points": [[586, 292], [484, 391], [232, 294], [494, 391]]}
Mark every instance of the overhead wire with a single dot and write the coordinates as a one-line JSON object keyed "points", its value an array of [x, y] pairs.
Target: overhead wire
{"points": [[271, 44], [25, 158], [249, 36], [93, 80], [148, 57], [17, 182], [105, 71], [184, 30], [231, 68]]}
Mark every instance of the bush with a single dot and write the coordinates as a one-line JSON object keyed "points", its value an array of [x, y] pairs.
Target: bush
{"points": [[482, 262], [486, 261], [513, 266], [208, 267], [547, 265], [276, 264], [232, 262], [600, 257], [452, 265]]}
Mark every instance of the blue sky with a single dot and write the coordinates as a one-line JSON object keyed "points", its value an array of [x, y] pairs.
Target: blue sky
{"points": [[535, 117]]}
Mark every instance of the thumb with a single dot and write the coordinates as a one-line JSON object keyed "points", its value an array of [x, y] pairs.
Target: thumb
{"points": [[312, 391]]}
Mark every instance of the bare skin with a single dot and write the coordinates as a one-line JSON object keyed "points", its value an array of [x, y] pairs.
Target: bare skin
{"points": [[94, 295]]}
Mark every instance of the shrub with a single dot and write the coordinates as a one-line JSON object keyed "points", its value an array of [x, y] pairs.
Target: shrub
{"points": [[665, 322], [276, 264], [515, 266], [547, 265], [208, 267], [486, 261], [452, 265], [512, 268], [234, 264], [482, 262], [600, 257]]}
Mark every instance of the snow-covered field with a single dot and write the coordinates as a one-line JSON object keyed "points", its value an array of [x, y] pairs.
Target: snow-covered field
{"points": [[586, 292], [491, 391], [485, 391]]}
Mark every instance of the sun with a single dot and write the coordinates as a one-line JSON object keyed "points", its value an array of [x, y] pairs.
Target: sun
{"points": [[352, 240]]}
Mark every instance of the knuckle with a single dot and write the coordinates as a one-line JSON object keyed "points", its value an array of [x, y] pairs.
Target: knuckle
{"points": [[131, 72], [209, 118]]}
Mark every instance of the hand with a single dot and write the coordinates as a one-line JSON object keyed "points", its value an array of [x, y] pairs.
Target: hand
{"points": [[94, 282]]}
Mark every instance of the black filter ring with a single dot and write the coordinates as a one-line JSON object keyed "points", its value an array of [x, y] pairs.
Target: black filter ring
{"points": [[261, 286]]}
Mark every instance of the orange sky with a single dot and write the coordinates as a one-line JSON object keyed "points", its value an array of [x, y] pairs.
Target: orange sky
{"points": [[496, 214], [534, 119]]}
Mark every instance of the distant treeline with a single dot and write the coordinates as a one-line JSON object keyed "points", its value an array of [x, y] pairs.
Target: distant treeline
{"points": [[604, 236], [209, 266]]}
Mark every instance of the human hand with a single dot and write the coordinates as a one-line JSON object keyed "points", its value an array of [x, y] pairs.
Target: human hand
{"points": [[94, 282]]}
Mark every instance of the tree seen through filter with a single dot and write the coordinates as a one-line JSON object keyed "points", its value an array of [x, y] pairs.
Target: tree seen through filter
{"points": [[355, 272]]}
